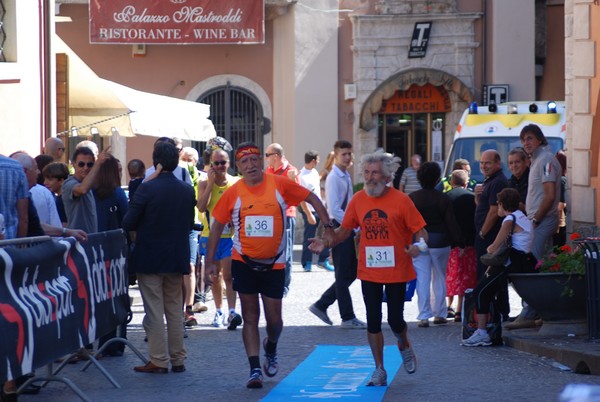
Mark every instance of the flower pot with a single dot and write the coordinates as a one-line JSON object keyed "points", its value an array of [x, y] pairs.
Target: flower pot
{"points": [[557, 297]]}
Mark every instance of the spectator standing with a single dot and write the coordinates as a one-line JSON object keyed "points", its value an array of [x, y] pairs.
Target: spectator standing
{"points": [[409, 181], [162, 214], [390, 223], [255, 205], [310, 179], [277, 164], [55, 175], [14, 200], [543, 197], [487, 223], [77, 195], [55, 148], [518, 163], [210, 192], [42, 161], [459, 164], [462, 264], [137, 172], [338, 189], [543, 192], [111, 207], [436, 209], [41, 197]]}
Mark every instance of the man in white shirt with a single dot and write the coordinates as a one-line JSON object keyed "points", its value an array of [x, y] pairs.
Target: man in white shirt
{"points": [[338, 191], [310, 179]]}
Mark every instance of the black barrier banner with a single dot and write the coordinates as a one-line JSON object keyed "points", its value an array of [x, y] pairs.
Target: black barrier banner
{"points": [[59, 296]]}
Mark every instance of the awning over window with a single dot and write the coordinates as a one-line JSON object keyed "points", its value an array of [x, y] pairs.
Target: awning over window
{"points": [[105, 106]]}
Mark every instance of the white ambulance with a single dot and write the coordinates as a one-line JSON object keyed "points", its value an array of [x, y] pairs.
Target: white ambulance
{"points": [[498, 127]]}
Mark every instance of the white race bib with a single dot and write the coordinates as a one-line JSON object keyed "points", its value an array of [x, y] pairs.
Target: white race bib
{"points": [[258, 226], [380, 257]]}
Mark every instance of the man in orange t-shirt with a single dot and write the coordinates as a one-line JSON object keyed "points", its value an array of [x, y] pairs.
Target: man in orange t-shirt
{"points": [[256, 206], [390, 226]]}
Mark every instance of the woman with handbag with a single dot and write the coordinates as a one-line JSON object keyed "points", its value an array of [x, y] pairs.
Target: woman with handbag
{"points": [[111, 207], [511, 251]]}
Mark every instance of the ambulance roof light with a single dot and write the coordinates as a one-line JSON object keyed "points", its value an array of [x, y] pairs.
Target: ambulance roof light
{"points": [[533, 108], [473, 108], [493, 108], [551, 107]]}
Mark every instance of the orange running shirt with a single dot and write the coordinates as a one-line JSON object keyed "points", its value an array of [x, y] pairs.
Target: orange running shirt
{"points": [[387, 225], [258, 216]]}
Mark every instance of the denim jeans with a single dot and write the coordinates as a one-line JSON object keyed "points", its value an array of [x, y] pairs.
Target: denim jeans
{"points": [[309, 232]]}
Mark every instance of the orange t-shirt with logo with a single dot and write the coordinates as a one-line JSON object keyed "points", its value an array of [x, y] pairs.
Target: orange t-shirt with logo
{"points": [[387, 225], [258, 216]]}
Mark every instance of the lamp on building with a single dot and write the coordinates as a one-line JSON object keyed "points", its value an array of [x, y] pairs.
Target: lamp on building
{"points": [[493, 108], [473, 108], [512, 109], [533, 108], [94, 131], [74, 132], [551, 107]]}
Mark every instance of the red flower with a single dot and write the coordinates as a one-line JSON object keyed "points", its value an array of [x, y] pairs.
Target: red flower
{"points": [[555, 268], [566, 248], [574, 236]]}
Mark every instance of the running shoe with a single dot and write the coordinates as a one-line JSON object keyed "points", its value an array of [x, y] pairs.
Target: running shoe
{"points": [[255, 380], [320, 313], [409, 360], [478, 339], [270, 365], [190, 320], [235, 320], [354, 323], [378, 379], [326, 265], [219, 320]]}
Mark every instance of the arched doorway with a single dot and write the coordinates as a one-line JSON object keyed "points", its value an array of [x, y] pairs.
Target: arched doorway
{"points": [[415, 111], [412, 122], [236, 114]]}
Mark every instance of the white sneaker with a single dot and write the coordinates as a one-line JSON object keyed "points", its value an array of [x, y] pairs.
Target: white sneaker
{"points": [[354, 323], [199, 307], [219, 320], [479, 338], [409, 360], [378, 379]]}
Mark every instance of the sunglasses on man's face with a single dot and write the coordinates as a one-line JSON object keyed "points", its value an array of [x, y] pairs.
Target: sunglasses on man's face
{"points": [[217, 163], [82, 164]]}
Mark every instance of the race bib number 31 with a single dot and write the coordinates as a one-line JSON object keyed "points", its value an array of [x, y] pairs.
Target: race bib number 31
{"points": [[259, 226], [380, 257]]}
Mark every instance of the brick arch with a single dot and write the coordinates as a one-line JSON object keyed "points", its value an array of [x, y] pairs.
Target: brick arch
{"points": [[403, 81]]}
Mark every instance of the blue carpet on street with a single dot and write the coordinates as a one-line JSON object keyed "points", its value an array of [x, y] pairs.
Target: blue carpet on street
{"points": [[336, 372]]}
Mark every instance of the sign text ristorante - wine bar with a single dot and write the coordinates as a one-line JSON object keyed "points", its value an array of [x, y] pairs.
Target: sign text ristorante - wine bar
{"points": [[177, 21]]}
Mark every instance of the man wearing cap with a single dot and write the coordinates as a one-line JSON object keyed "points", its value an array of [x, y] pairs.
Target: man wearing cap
{"points": [[256, 205]]}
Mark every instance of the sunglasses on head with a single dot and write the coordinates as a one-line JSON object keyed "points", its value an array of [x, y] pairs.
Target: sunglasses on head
{"points": [[269, 154], [82, 164], [217, 163]]}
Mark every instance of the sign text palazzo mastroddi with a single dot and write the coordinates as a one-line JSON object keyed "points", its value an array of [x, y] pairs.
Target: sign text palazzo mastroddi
{"points": [[177, 22]]}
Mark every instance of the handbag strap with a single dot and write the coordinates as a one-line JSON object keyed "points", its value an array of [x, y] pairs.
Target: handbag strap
{"points": [[512, 229]]}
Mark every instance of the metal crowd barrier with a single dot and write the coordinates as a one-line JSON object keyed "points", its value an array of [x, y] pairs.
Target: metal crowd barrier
{"points": [[51, 373]]}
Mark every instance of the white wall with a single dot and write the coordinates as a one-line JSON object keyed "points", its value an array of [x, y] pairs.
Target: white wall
{"points": [[305, 57], [20, 82], [512, 47]]}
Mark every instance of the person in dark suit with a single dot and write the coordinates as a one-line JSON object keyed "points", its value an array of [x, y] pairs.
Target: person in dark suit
{"points": [[162, 213]]}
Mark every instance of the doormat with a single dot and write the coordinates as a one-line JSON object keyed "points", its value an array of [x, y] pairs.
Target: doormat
{"points": [[336, 372]]}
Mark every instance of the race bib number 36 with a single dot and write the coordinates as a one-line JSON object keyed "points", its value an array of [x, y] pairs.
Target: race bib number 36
{"points": [[380, 257], [259, 226]]}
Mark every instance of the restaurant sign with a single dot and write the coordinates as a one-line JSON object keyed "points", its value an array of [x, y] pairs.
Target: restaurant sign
{"points": [[177, 21]]}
